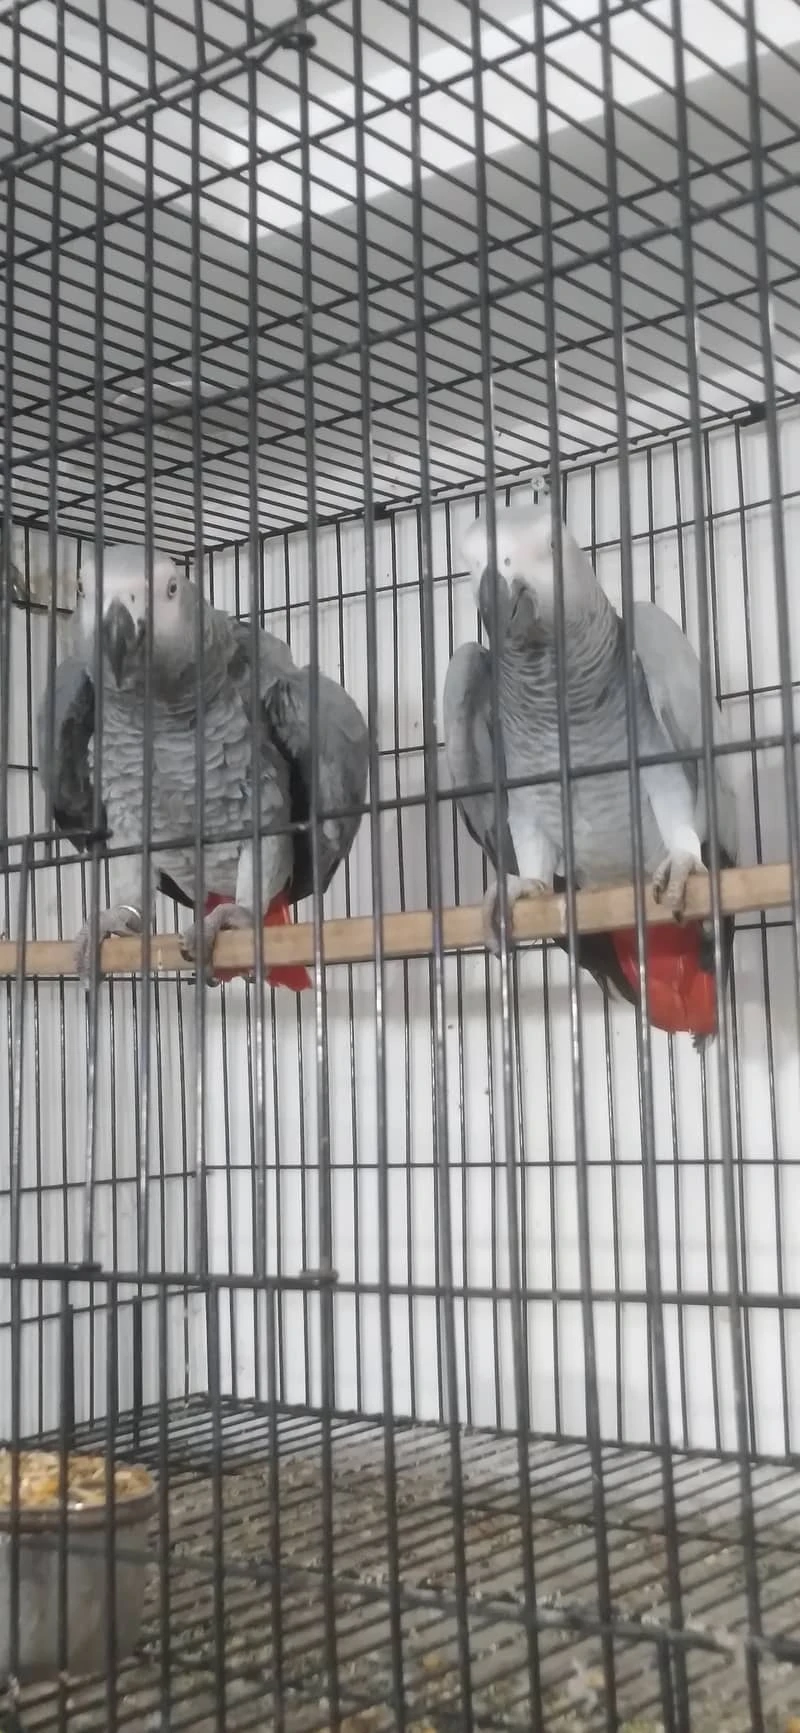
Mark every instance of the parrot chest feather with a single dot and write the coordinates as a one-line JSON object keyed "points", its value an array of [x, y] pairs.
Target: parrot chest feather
{"points": [[601, 812], [227, 784]]}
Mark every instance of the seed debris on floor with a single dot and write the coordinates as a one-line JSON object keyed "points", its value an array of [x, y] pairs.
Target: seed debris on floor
{"points": [[177, 1688]]}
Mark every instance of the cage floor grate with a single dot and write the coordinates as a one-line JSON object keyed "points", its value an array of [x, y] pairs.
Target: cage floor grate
{"points": [[176, 1685]]}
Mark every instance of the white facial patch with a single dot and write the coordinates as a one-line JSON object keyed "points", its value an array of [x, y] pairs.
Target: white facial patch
{"points": [[522, 541], [124, 579]]}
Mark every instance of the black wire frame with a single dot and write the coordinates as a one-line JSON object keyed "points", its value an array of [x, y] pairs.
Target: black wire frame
{"points": [[150, 1311], [112, 1333], [53, 179]]}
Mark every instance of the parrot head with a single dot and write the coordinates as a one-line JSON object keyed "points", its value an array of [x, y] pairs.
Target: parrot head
{"points": [[125, 605], [522, 575]]}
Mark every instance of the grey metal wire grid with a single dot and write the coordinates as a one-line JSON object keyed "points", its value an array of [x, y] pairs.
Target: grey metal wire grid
{"points": [[453, 1309]]}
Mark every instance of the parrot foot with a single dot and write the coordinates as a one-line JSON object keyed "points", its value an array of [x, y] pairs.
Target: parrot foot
{"points": [[121, 921], [671, 879], [197, 943], [516, 889]]}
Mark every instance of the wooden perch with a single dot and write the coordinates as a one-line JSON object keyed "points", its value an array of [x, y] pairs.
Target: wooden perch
{"points": [[411, 934]]}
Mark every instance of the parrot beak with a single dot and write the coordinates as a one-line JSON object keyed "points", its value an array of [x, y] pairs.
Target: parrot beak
{"points": [[524, 609], [493, 583], [517, 605], [119, 637]]}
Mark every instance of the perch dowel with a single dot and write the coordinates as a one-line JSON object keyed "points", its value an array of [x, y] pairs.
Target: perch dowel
{"points": [[411, 934]]}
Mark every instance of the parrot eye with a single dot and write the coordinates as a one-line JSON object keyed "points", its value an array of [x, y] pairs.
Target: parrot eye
{"points": [[507, 561], [172, 587]]}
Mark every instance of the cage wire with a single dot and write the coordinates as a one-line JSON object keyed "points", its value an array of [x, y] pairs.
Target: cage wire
{"points": [[447, 1307]]}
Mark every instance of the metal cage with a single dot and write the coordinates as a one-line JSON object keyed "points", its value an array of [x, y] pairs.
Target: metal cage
{"points": [[451, 1308]]}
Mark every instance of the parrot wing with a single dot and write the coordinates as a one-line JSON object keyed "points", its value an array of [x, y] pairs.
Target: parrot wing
{"points": [[682, 960], [469, 749], [673, 676], [64, 769], [285, 692]]}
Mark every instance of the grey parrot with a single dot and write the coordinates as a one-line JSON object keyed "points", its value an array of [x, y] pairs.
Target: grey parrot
{"points": [[229, 726], [673, 800]]}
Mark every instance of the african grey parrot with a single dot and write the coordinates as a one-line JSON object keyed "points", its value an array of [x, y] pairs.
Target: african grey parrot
{"points": [[674, 818], [282, 719]]}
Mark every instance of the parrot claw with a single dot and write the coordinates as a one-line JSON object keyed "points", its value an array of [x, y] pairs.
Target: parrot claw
{"points": [[672, 877], [199, 940], [516, 889], [121, 921]]}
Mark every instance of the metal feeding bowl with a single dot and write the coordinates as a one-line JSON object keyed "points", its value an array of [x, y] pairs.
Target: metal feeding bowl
{"points": [[84, 1609]]}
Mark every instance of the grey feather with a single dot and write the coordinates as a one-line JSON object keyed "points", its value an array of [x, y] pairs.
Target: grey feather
{"points": [[66, 771], [673, 675], [64, 768], [468, 741], [469, 747], [518, 573], [342, 758], [65, 761]]}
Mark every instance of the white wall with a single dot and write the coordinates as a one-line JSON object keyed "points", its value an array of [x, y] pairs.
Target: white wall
{"points": [[688, 1142]]}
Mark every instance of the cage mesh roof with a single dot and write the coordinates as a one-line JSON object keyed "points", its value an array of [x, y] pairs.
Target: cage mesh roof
{"points": [[190, 218]]}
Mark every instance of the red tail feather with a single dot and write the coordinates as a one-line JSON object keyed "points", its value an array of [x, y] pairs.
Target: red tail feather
{"points": [[279, 914], [683, 998]]}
